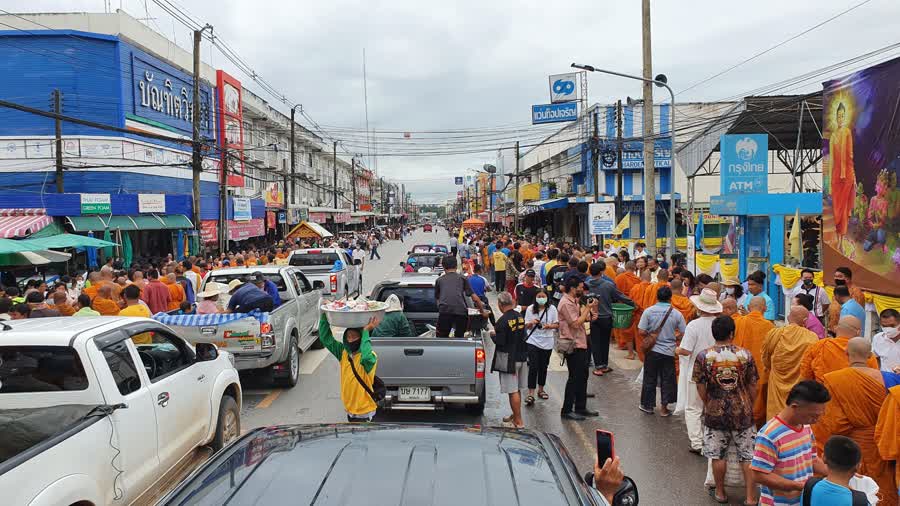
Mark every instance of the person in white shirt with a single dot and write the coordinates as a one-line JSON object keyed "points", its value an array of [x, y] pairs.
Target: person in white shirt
{"points": [[541, 324], [359, 254], [697, 337], [886, 344], [808, 286], [538, 263], [639, 251]]}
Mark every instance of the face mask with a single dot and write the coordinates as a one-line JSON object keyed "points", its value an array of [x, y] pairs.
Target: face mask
{"points": [[541, 300], [729, 290], [891, 332], [840, 282], [353, 346], [807, 283]]}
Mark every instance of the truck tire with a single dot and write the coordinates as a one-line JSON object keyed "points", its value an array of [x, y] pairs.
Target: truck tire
{"points": [[291, 365], [228, 425], [359, 287], [478, 407]]}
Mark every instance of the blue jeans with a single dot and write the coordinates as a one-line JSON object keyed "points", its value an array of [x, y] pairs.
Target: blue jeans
{"points": [[374, 253]]}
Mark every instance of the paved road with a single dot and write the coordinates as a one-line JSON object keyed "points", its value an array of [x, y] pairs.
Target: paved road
{"points": [[653, 449]]}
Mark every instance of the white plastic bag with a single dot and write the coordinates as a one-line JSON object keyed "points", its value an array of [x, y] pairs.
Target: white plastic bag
{"points": [[640, 377], [734, 477]]}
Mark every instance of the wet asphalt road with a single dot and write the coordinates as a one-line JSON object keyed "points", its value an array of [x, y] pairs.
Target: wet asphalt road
{"points": [[653, 450]]}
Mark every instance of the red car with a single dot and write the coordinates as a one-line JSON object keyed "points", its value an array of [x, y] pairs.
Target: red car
{"points": [[426, 227]]}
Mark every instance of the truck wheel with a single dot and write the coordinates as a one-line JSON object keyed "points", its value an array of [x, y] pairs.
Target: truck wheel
{"points": [[478, 408], [228, 426], [359, 288], [291, 366]]}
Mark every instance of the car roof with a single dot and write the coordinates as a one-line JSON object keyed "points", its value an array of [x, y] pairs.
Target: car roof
{"points": [[420, 279], [250, 270], [57, 331], [340, 464], [317, 250]]}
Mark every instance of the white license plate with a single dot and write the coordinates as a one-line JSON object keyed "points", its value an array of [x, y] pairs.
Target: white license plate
{"points": [[415, 394]]}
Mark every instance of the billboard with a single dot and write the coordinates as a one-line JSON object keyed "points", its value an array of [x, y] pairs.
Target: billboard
{"points": [[231, 128], [563, 88], [861, 159], [744, 163], [603, 218], [554, 113]]}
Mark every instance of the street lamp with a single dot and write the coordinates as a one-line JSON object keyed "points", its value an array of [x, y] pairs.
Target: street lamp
{"points": [[662, 82]]}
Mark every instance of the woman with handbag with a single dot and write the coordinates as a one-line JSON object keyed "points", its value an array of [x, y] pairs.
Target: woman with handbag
{"points": [[542, 322]]}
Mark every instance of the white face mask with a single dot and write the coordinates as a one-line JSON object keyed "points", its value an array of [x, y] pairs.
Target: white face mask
{"points": [[891, 332], [729, 290]]}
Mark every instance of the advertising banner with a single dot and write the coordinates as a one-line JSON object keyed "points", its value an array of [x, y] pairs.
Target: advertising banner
{"points": [[231, 127], [318, 217], [151, 203], [95, 203], [273, 195], [554, 113], [458, 180], [744, 163], [861, 159], [563, 88], [603, 218], [240, 230], [270, 219], [209, 231], [241, 209]]}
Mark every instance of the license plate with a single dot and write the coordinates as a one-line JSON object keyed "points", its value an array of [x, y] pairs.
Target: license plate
{"points": [[415, 394]]}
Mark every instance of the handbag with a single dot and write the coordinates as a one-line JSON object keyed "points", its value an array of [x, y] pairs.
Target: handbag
{"points": [[378, 391], [649, 342]]}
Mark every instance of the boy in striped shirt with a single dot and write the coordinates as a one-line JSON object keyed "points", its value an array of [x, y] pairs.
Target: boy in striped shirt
{"points": [[784, 455]]}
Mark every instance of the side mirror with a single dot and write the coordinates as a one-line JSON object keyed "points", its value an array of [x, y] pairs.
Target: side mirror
{"points": [[357, 261], [318, 285], [206, 352]]}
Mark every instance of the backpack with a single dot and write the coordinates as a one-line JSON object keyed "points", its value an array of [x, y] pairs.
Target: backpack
{"points": [[378, 391], [859, 498]]}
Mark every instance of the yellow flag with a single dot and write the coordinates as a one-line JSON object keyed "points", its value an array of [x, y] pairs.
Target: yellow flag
{"points": [[462, 234], [625, 223], [795, 239]]}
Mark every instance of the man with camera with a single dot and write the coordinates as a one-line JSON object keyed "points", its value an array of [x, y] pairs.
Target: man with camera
{"points": [[606, 293], [572, 317]]}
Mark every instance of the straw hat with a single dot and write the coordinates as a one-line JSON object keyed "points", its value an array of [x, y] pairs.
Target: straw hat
{"points": [[393, 303], [707, 301], [732, 281], [209, 292], [234, 283]]}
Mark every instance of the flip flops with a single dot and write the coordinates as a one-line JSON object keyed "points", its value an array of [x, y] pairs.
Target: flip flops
{"points": [[543, 395], [598, 372], [529, 400]]}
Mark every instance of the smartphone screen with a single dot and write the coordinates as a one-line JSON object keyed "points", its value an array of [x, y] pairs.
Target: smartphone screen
{"points": [[605, 449]]}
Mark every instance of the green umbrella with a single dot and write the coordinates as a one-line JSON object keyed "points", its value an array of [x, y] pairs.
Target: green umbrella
{"points": [[107, 251], [128, 252]]}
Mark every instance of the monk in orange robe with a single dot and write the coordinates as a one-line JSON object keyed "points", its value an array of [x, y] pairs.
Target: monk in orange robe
{"points": [[649, 295], [887, 431], [829, 355], [103, 302], [625, 282], [637, 295], [843, 173], [750, 332], [857, 394], [612, 268], [681, 303], [782, 350], [176, 292], [729, 308], [61, 304]]}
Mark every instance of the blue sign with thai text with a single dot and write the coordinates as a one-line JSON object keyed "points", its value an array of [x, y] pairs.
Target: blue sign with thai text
{"points": [[744, 164], [554, 113]]}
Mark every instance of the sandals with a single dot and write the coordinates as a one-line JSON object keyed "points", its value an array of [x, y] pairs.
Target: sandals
{"points": [[598, 372], [507, 419], [543, 395], [630, 356], [529, 400], [720, 500]]}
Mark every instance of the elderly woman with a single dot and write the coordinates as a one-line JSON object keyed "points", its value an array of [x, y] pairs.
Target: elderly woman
{"points": [[395, 323], [208, 302]]}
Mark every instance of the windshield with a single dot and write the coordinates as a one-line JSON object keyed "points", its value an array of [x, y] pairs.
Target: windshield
{"points": [[415, 299], [313, 259], [425, 260], [226, 278], [426, 248], [40, 369]]}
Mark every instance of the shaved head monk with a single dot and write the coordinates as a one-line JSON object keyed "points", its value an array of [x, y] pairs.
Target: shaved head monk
{"points": [[782, 352], [887, 428], [681, 303], [857, 394], [750, 333], [729, 308], [637, 295], [103, 302], [829, 355], [625, 282]]}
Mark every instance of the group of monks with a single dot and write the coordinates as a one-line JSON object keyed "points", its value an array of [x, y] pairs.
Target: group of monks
{"points": [[105, 290]]}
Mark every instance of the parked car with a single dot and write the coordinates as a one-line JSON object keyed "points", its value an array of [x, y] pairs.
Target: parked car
{"points": [[275, 344], [429, 248], [99, 410], [426, 227], [320, 265], [393, 464], [432, 261], [422, 371]]}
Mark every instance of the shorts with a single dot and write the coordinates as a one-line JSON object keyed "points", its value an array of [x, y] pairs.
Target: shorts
{"points": [[717, 441], [511, 383]]}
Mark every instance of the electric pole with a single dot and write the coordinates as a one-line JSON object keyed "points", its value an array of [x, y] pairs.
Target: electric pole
{"points": [[293, 149], [649, 165], [223, 203], [516, 223], [353, 180], [57, 108], [595, 162], [334, 165], [620, 198], [196, 163]]}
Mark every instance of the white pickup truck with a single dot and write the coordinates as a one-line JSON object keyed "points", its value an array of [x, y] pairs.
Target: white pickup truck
{"points": [[319, 265], [102, 410]]}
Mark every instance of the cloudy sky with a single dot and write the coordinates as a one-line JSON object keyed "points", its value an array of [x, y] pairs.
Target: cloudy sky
{"points": [[470, 70]]}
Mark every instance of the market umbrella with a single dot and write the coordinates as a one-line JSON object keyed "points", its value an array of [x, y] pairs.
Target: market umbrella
{"points": [[127, 249], [91, 253], [179, 247], [473, 223], [108, 250], [63, 241], [41, 257]]}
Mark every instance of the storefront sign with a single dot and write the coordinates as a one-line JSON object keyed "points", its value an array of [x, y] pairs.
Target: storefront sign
{"points": [[270, 219], [151, 203], [164, 95], [341, 217], [318, 217], [209, 231], [95, 203], [240, 230], [231, 127], [745, 163], [242, 209], [602, 217], [282, 217], [273, 195]]}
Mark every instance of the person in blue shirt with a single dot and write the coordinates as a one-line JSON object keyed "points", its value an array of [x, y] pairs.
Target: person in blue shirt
{"points": [[842, 455], [478, 283], [849, 306], [756, 283], [245, 297], [267, 286]]}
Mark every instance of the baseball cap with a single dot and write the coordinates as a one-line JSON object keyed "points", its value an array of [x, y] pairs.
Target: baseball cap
{"points": [[530, 272]]}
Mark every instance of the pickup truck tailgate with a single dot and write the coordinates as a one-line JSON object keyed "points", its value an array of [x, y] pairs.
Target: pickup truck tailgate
{"points": [[426, 361], [237, 337]]}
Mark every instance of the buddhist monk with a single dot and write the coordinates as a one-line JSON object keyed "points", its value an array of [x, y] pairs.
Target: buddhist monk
{"points": [[887, 431], [103, 302], [612, 268], [829, 355], [782, 351], [637, 295], [750, 332], [94, 280], [729, 308], [857, 394], [176, 292], [649, 295], [681, 303], [625, 282], [61, 304]]}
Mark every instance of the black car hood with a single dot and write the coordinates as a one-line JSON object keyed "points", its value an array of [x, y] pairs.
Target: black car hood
{"points": [[354, 464]]}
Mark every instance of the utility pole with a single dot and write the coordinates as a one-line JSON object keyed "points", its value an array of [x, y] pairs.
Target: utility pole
{"points": [[196, 163], [334, 165], [649, 165], [293, 149], [223, 203], [57, 108], [620, 197], [595, 163], [516, 222], [353, 180]]}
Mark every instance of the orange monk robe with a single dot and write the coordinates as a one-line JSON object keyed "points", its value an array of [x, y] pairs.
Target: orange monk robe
{"points": [[105, 307], [750, 332], [828, 355], [64, 309], [176, 294], [856, 399], [843, 177], [625, 282], [649, 296], [887, 430], [684, 306], [782, 351], [611, 273], [636, 295]]}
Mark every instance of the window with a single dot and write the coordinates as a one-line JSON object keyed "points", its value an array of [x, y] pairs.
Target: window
{"points": [[303, 285], [415, 299], [124, 372], [163, 355], [40, 369], [313, 259]]}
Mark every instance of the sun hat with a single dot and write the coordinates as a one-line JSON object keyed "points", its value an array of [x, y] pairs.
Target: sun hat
{"points": [[731, 281], [234, 283], [209, 292], [707, 301], [393, 303]]}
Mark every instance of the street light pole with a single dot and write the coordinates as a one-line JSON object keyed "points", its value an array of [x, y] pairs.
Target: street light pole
{"points": [[660, 81]]}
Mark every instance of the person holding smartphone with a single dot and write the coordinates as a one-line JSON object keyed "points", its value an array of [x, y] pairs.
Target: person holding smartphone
{"points": [[541, 323]]}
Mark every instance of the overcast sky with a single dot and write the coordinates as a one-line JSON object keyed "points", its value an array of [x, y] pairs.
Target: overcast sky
{"points": [[474, 64]]}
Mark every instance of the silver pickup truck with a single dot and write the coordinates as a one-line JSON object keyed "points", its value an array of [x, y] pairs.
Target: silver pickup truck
{"points": [[319, 265], [424, 372], [276, 344]]}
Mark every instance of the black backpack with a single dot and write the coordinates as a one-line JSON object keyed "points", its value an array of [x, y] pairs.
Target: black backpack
{"points": [[378, 391], [859, 498]]}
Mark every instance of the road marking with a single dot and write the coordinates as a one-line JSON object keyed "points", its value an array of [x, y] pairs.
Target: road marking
{"points": [[269, 399]]}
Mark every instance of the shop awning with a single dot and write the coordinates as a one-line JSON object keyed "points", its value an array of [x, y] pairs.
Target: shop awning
{"points": [[22, 222], [129, 223], [543, 205]]}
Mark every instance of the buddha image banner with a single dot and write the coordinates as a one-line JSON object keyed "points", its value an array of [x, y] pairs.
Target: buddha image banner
{"points": [[861, 159]]}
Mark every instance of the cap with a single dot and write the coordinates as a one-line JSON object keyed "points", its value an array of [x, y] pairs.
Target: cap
{"points": [[530, 272], [234, 283], [258, 277]]}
